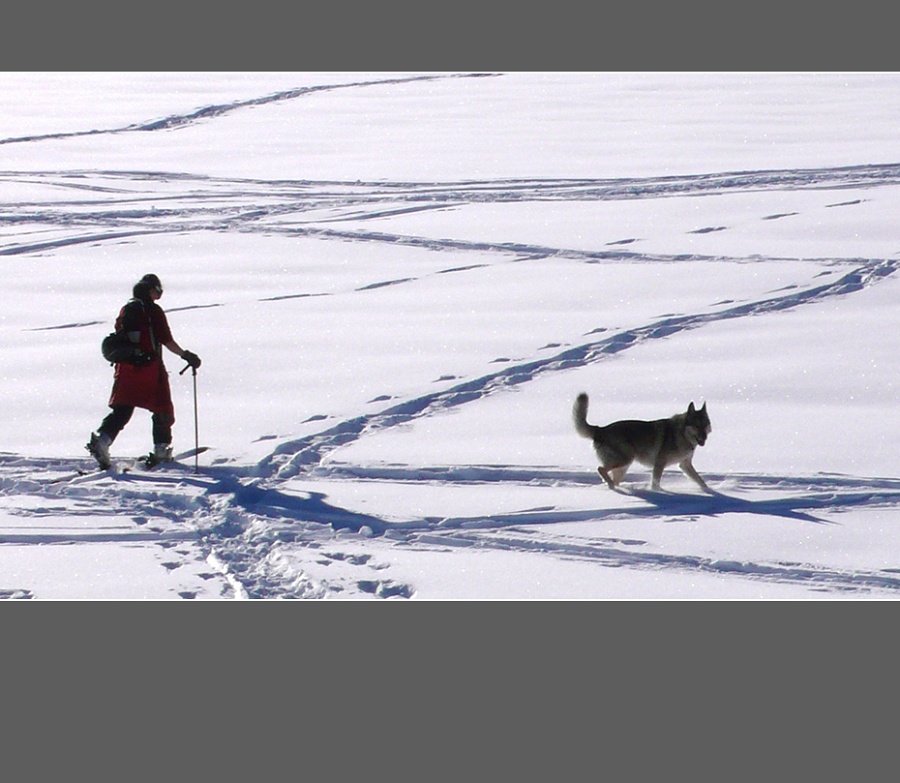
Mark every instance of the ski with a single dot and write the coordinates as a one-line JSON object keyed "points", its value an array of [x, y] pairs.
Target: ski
{"points": [[82, 472], [143, 463], [190, 453], [150, 462]]}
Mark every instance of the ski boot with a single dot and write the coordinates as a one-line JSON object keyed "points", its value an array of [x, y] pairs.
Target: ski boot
{"points": [[162, 452], [98, 446]]}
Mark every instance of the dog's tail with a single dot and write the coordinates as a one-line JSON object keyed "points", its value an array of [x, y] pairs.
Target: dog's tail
{"points": [[579, 416]]}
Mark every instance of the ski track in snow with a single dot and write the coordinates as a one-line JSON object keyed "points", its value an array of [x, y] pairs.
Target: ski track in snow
{"points": [[128, 204], [244, 517], [177, 121], [242, 523]]}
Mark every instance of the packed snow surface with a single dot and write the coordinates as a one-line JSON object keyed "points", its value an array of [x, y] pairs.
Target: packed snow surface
{"points": [[398, 284]]}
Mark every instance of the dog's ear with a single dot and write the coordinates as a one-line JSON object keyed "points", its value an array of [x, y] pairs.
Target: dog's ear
{"points": [[691, 408]]}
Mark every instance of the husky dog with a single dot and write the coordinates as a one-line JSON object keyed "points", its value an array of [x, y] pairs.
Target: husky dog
{"points": [[655, 444]]}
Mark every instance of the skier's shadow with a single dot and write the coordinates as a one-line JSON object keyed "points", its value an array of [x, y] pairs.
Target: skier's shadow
{"points": [[305, 506]]}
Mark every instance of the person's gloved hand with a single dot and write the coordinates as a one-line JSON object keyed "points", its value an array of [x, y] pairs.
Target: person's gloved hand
{"points": [[192, 359]]}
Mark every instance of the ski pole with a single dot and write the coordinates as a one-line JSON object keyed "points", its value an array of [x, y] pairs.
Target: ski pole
{"points": [[196, 430]]}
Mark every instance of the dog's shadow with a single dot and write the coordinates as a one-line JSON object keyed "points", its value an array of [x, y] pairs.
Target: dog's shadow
{"points": [[715, 503]]}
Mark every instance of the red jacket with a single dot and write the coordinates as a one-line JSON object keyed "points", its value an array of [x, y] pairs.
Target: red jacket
{"points": [[146, 386]]}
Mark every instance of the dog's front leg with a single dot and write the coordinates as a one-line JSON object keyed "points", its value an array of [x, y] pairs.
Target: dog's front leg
{"points": [[687, 468]]}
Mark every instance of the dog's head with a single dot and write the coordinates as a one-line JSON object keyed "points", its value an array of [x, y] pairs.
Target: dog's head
{"points": [[696, 425]]}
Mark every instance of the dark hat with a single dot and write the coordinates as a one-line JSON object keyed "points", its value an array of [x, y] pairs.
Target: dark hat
{"points": [[144, 286], [151, 281]]}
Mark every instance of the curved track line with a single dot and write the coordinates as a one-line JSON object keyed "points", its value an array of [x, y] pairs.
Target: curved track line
{"points": [[299, 456], [209, 112]]}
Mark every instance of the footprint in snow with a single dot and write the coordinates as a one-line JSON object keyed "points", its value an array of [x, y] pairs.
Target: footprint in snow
{"points": [[352, 559], [15, 593], [386, 589]]}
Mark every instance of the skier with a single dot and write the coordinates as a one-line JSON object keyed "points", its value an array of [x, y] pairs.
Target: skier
{"points": [[144, 382]]}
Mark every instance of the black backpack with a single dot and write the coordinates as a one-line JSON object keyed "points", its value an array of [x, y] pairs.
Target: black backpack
{"points": [[117, 348]]}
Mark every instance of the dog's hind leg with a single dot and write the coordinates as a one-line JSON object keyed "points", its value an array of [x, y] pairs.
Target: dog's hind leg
{"points": [[613, 476], [617, 474], [658, 467], [606, 477]]}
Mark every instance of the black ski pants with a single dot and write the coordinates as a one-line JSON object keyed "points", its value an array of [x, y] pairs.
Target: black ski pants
{"points": [[120, 415]]}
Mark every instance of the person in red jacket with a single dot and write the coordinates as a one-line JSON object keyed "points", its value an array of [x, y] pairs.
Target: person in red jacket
{"points": [[142, 382]]}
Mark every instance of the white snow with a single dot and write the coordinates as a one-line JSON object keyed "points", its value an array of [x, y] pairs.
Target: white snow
{"points": [[398, 283]]}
